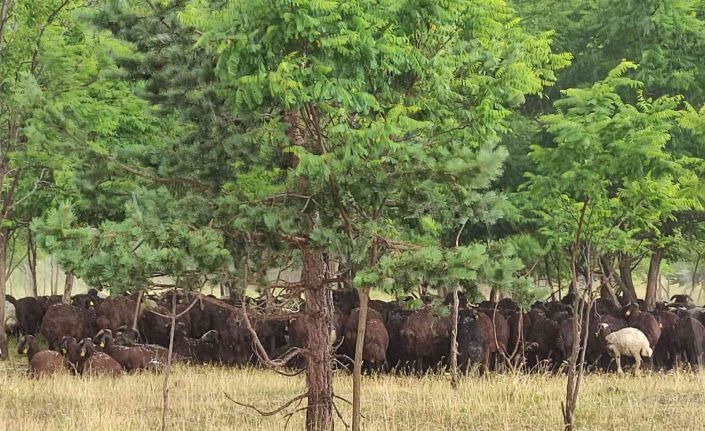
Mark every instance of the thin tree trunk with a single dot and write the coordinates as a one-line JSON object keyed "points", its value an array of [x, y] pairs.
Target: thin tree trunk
{"points": [[319, 374], [557, 261], [3, 281], [548, 278], [625, 273], [54, 277], [652, 279], [32, 264], [68, 286], [493, 295], [167, 370], [693, 278], [606, 291], [136, 316], [364, 295], [572, 387], [454, 375]]}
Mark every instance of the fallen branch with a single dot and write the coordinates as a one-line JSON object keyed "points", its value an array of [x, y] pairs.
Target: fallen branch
{"points": [[264, 413]]}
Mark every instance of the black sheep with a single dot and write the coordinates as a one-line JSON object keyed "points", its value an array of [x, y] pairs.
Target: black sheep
{"points": [[202, 350], [29, 314]]}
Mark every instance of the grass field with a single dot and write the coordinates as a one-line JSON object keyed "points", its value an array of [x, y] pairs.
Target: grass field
{"points": [[498, 402]]}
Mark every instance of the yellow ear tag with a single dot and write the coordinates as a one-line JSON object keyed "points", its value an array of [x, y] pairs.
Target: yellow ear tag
{"points": [[102, 344], [83, 353], [91, 303], [26, 349], [628, 312], [63, 351]]}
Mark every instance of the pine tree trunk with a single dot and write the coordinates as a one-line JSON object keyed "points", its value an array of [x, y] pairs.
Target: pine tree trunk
{"points": [[319, 375], [454, 375], [4, 353], [652, 279], [68, 286], [364, 294], [625, 272], [32, 264]]}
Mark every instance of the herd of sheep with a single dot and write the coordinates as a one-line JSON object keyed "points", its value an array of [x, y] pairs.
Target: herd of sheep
{"points": [[95, 335]]}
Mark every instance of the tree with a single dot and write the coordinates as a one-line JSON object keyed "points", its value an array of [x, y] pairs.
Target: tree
{"points": [[608, 181], [666, 39], [47, 66], [376, 126]]}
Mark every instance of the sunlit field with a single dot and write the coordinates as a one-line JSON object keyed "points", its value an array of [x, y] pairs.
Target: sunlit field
{"points": [[498, 402]]}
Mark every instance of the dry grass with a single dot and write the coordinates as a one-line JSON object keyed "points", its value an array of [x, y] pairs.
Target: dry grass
{"points": [[498, 402]]}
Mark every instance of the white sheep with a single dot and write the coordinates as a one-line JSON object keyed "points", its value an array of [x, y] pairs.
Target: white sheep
{"points": [[629, 342], [10, 318]]}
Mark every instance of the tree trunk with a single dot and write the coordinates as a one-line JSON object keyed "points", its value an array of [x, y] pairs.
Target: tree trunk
{"points": [[652, 279], [454, 375], [32, 264], [606, 290], [136, 316], [625, 273], [575, 362], [167, 369], [693, 278], [68, 286], [548, 278], [493, 295], [573, 286], [4, 353], [319, 374], [364, 294], [54, 277]]}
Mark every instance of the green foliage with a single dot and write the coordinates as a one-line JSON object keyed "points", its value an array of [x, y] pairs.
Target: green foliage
{"points": [[612, 156], [392, 112]]}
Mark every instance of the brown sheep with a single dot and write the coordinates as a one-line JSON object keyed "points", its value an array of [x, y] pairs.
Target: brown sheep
{"points": [[131, 358], [115, 312], [666, 351], [96, 363], [643, 321], [426, 337], [41, 363], [156, 329], [374, 351], [71, 350], [500, 328], [62, 320]]}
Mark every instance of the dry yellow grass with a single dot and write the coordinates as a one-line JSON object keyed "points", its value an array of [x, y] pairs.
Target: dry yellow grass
{"points": [[498, 402]]}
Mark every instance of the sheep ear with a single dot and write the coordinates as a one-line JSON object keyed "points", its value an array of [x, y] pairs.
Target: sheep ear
{"points": [[26, 349], [63, 351], [83, 353], [628, 313]]}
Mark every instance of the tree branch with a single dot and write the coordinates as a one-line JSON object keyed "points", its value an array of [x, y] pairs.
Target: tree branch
{"points": [[38, 42], [265, 413]]}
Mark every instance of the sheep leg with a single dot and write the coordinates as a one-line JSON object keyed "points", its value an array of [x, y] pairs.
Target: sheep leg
{"points": [[485, 361], [637, 362], [618, 359]]}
